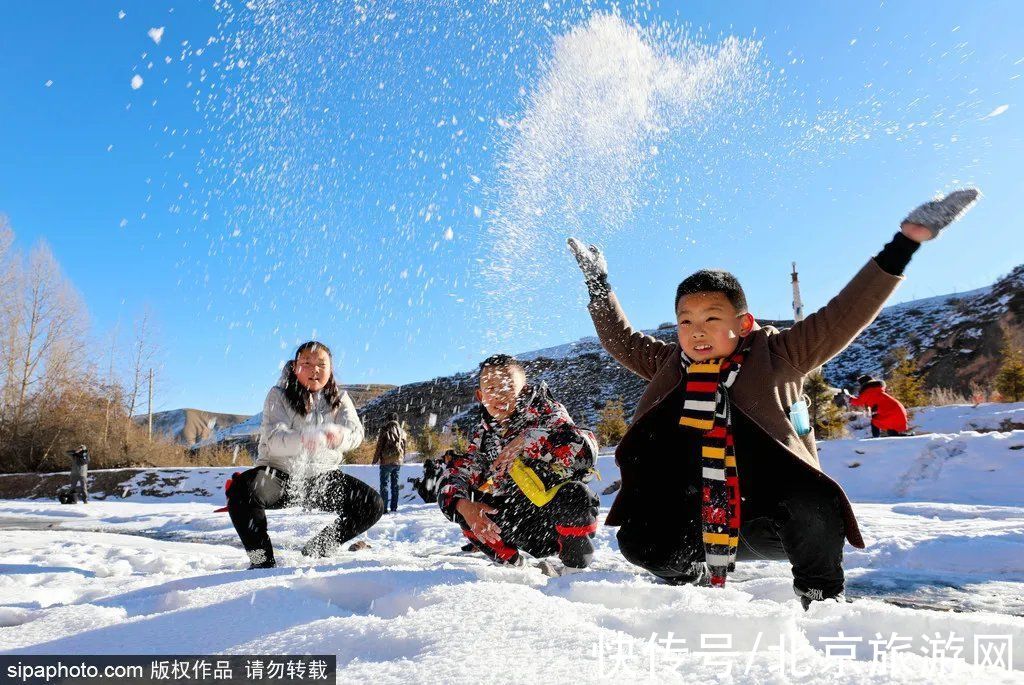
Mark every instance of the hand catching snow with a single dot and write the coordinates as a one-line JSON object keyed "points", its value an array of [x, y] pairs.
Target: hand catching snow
{"points": [[332, 435], [313, 440]]}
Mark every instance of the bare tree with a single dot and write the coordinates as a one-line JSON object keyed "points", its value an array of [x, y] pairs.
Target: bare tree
{"points": [[50, 332], [9, 294], [144, 351], [111, 386], [51, 393]]}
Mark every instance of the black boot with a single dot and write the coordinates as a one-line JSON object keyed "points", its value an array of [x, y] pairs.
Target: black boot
{"points": [[815, 595], [261, 558], [323, 544]]}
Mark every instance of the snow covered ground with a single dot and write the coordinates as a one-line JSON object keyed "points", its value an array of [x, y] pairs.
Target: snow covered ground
{"points": [[943, 515]]}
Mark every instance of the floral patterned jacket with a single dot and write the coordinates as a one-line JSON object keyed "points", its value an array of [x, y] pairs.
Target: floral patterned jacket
{"points": [[555, 449]]}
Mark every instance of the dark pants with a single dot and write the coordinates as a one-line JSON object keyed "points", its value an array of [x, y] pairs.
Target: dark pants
{"points": [[805, 527], [877, 432], [389, 471], [563, 526], [80, 483], [357, 505]]}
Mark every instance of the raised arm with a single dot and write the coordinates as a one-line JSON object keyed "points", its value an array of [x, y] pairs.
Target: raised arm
{"points": [[638, 352], [828, 331]]}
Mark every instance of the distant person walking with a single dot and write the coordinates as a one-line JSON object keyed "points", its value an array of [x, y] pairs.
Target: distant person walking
{"points": [[390, 453], [80, 473], [888, 416]]}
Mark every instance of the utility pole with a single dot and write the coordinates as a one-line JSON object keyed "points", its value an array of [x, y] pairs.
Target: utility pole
{"points": [[798, 312], [151, 404], [798, 305]]}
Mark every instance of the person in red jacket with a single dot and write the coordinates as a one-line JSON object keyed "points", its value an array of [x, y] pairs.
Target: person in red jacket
{"points": [[888, 416]]}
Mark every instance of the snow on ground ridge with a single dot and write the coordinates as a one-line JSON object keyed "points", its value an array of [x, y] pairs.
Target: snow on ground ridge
{"points": [[166, 574]]}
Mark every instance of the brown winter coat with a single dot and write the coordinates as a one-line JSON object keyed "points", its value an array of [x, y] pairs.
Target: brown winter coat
{"points": [[391, 442], [770, 381]]}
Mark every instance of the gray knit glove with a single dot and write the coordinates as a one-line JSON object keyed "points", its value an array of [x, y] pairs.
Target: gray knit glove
{"points": [[938, 214], [594, 267]]}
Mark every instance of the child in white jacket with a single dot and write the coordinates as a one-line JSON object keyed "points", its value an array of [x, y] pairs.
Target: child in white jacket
{"points": [[307, 427]]}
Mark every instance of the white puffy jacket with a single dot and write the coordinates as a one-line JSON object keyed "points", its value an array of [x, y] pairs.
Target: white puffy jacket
{"points": [[283, 429]]}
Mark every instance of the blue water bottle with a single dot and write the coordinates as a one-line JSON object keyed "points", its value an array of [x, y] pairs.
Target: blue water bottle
{"points": [[799, 417]]}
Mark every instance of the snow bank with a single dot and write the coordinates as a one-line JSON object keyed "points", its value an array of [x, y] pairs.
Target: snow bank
{"points": [[967, 417], [161, 571], [969, 468], [412, 609]]}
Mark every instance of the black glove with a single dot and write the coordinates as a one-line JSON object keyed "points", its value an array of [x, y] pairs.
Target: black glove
{"points": [[594, 267]]}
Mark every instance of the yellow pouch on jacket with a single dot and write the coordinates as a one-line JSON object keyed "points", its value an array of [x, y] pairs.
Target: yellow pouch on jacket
{"points": [[530, 483]]}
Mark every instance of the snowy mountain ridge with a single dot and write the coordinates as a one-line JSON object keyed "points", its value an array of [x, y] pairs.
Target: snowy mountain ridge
{"points": [[956, 338]]}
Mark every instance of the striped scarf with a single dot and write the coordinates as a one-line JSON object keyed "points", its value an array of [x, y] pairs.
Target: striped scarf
{"points": [[707, 409]]}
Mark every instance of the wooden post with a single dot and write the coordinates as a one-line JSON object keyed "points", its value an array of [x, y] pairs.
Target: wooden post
{"points": [[151, 405]]}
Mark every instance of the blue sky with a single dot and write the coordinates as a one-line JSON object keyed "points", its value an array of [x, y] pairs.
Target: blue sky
{"points": [[341, 182]]}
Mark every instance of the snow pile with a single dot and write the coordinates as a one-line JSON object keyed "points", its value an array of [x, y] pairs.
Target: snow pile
{"points": [[161, 572], [951, 418], [954, 418], [412, 609]]}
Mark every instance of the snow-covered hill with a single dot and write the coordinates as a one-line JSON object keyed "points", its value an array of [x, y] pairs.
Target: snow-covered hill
{"points": [[189, 426], [956, 338], [197, 428]]}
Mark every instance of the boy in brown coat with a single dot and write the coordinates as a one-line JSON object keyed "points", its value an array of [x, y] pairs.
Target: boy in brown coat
{"points": [[715, 467]]}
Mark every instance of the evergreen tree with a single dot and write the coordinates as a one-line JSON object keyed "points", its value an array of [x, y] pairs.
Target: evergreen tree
{"points": [[904, 381], [612, 424], [1010, 378], [826, 418], [427, 442]]}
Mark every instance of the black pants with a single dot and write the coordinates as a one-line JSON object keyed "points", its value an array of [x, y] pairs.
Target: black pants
{"points": [[563, 526], [357, 504], [80, 484], [877, 432], [805, 526]]}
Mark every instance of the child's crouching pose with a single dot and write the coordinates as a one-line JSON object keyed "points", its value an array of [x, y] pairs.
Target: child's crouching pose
{"points": [[521, 486], [718, 464], [308, 425]]}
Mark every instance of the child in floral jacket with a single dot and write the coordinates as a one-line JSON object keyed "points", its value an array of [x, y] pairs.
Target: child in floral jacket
{"points": [[522, 483]]}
